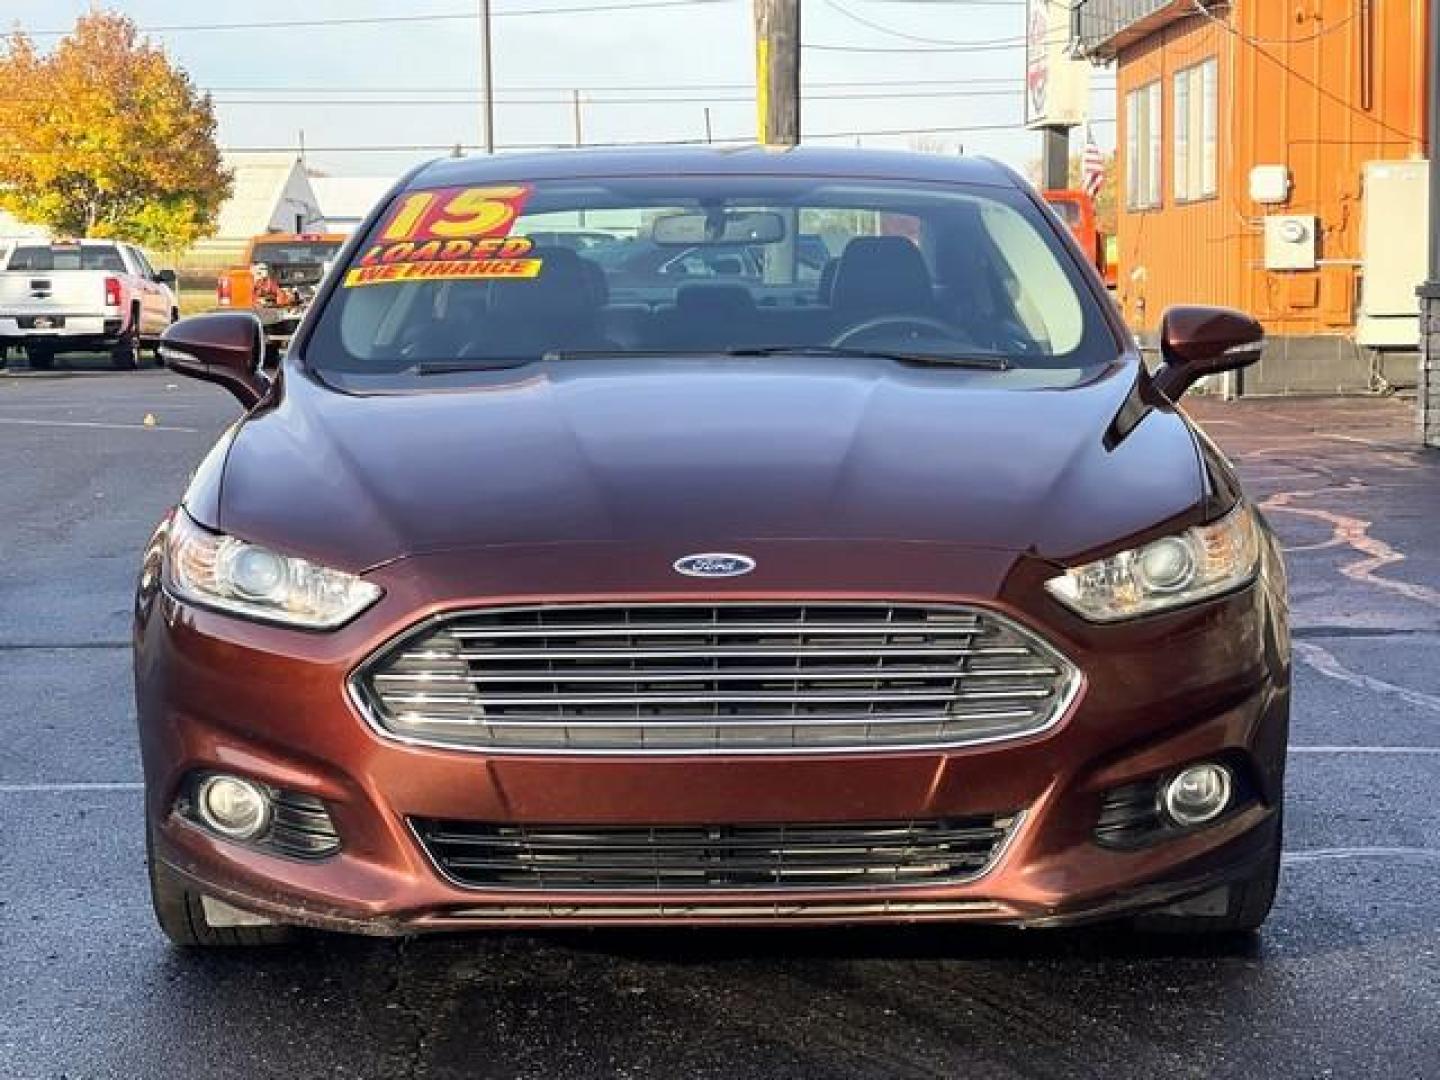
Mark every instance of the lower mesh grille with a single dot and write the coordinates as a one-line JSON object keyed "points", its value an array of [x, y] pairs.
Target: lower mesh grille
{"points": [[840, 911], [1129, 815], [717, 678], [301, 826], [673, 858]]}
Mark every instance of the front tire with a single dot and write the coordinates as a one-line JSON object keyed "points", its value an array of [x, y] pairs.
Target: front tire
{"points": [[180, 911], [1247, 905]]}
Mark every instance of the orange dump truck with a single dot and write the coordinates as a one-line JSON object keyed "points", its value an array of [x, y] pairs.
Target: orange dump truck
{"points": [[1077, 210], [278, 278]]}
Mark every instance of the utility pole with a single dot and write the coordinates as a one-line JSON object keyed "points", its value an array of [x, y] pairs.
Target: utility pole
{"points": [[709, 136], [488, 104], [777, 101], [1430, 291], [579, 138], [777, 71], [1055, 157]]}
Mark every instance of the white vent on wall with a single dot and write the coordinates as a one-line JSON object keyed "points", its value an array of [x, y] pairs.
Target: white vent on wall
{"points": [[1270, 184]]}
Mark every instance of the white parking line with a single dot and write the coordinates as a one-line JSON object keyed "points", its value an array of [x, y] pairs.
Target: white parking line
{"points": [[1332, 854], [1421, 750], [18, 422], [50, 789]]}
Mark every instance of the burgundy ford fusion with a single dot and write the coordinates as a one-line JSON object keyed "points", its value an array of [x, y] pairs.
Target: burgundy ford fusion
{"points": [[845, 565]]}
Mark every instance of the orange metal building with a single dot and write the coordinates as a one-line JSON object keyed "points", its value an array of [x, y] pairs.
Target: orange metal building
{"points": [[1311, 93]]}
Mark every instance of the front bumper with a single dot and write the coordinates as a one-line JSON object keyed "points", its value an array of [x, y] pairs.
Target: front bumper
{"points": [[270, 703]]}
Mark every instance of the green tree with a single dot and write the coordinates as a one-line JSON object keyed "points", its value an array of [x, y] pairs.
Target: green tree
{"points": [[104, 136]]}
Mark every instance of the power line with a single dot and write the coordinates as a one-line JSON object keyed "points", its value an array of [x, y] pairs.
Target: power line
{"points": [[981, 81], [869, 25], [567, 99], [993, 45], [1258, 46], [447, 147], [372, 20], [462, 16], [1205, 13], [1059, 37]]}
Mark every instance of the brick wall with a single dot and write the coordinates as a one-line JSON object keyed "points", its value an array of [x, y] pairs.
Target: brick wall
{"points": [[1429, 404]]}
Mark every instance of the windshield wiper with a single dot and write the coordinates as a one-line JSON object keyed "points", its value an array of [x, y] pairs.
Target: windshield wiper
{"points": [[980, 361], [462, 367]]}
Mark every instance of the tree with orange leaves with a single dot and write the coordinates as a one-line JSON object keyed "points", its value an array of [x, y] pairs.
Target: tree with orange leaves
{"points": [[104, 136]]}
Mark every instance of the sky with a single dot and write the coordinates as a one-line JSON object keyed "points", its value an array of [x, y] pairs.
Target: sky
{"points": [[646, 73]]}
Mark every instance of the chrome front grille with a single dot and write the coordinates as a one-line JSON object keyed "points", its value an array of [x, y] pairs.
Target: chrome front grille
{"points": [[717, 678], [675, 858]]}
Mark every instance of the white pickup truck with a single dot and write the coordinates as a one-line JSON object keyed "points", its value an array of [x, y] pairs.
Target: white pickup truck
{"points": [[82, 295]]}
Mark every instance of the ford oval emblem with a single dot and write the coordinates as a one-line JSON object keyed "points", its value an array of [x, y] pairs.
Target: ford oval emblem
{"points": [[714, 564]]}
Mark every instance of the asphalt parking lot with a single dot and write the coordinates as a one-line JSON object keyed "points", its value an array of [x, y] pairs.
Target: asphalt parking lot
{"points": [[1344, 981]]}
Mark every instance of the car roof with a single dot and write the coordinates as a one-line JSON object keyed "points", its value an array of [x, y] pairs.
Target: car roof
{"points": [[64, 242], [710, 161], [299, 238]]}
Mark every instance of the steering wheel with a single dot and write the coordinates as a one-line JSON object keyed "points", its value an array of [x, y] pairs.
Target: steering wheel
{"points": [[911, 326]]}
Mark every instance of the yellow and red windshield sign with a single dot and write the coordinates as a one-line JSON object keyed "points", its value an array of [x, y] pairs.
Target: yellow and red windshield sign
{"points": [[446, 235]]}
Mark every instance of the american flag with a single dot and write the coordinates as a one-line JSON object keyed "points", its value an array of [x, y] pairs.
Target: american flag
{"points": [[1092, 166]]}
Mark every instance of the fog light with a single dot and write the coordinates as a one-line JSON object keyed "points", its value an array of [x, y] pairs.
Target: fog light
{"points": [[233, 807], [1197, 794]]}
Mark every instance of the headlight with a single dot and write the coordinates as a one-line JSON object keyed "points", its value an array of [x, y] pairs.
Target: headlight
{"points": [[219, 571], [1167, 573]]}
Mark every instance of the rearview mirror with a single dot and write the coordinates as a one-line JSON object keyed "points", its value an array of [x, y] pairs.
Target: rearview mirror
{"points": [[1200, 341], [719, 227], [225, 347], [168, 278]]}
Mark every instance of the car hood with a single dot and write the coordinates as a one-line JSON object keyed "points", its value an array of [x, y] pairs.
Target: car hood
{"points": [[702, 454]]}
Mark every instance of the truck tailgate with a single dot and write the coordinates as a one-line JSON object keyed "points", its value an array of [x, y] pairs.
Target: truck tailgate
{"points": [[51, 292]]}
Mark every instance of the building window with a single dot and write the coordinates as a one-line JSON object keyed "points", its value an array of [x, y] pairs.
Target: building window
{"points": [[1142, 148], [1195, 132]]}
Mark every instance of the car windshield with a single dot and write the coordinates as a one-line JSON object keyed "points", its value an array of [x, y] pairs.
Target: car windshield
{"points": [[47, 258], [295, 253], [499, 277]]}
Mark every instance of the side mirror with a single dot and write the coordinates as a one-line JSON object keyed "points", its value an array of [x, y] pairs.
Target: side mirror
{"points": [[1200, 341], [225, 347], [169, 278]]}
